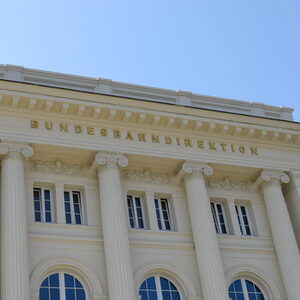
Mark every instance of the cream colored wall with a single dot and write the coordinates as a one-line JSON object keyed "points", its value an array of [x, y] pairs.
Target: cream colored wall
{"points": [[169, 253]]}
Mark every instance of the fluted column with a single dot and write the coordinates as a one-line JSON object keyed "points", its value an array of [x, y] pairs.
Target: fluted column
{"points": [[115, 227], [282, 231], [209, 260], [14, 249]]}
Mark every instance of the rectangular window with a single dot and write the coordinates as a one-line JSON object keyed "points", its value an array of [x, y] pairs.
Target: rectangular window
{"points": [[135, 212], [244, 222], [219, 217], [163, 214], [42, 205], [73, 207]]}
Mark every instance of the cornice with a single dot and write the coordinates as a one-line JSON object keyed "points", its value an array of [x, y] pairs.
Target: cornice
{"points": [[113, 88], [49, 108]]}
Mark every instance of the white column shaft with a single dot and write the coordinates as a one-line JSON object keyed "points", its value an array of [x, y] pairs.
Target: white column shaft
{"points": [[209, 260], [14, 249], [115, 234], [283, 237]]}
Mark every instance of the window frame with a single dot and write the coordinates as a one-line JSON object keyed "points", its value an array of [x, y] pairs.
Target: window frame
{"points": [[216, 217], [42, 201], [62, 285], [133, 198], [241, 221], [159, 289], [160, 210], [72, 210], [244, 287]]}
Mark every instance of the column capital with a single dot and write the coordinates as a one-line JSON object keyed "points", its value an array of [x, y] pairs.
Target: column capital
{"points": [[192, 167], [111, 159], [274, 176], [15, 150]]}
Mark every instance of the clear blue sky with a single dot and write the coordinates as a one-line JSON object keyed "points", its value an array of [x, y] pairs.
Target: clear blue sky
{"points": [[248, 50]]}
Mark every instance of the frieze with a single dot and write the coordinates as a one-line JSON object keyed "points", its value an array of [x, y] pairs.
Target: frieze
{"points": [[146, 176], [229, 184], [54, 167]]}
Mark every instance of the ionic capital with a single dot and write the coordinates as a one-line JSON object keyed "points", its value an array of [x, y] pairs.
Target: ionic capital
{"points": [[15, 150], [111, 159], [274, 176], [197, 168]]}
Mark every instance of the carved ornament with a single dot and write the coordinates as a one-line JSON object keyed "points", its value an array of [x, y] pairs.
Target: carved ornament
{"points": [[146, 176]]}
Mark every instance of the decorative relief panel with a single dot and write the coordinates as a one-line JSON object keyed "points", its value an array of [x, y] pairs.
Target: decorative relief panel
{"points": [[56, 167], [229, 184], [146, 176]]}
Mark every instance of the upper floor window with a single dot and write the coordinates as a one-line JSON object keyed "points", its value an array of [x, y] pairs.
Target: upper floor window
{"points": [[243, 219], [163, 215], [135, 212], [242, 289], [61, 286], [156, 287], [73, 207], [219, 217], [42, 205]]}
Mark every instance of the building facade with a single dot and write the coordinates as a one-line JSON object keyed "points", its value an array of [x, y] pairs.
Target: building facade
{"points": [[112, 191]]}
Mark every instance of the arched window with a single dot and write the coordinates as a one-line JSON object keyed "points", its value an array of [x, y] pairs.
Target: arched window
{"points": [[158, 288], [62, 286], [243, 289]]}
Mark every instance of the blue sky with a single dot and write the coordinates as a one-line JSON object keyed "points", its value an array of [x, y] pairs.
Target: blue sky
{"points": [[247, 50]]}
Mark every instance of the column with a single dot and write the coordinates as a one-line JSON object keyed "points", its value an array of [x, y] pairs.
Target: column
{"points": [[208, 256], [282, 231], [14, 249], [115, 227]]}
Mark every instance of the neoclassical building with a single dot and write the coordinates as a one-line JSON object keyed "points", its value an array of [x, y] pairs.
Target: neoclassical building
{"points": [[113, 191]]}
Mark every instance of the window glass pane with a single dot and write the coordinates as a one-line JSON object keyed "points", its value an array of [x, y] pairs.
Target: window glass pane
{"points": [[37, 205], [47, 194], [175, 296], [69, 281], [37, 216], [44, 294], [47, 205], [54, 294], [76, 208], [166, 295], [80, 294], [138, 202], [167, 224], [152, 295], [45, 282], [67, 196], [78, 219], [70, 294], [36, 194], [141, 223], [68, 219], [67, 207], [164, 283], [48, 217], [144, 295], [238, 286], [151, 283], [54, 282], [78, 284]]}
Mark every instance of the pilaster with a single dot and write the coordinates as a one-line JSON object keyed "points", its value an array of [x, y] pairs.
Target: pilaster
{"points": [[14, 248], [282, 231], [115, 227], [209, 260]]}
